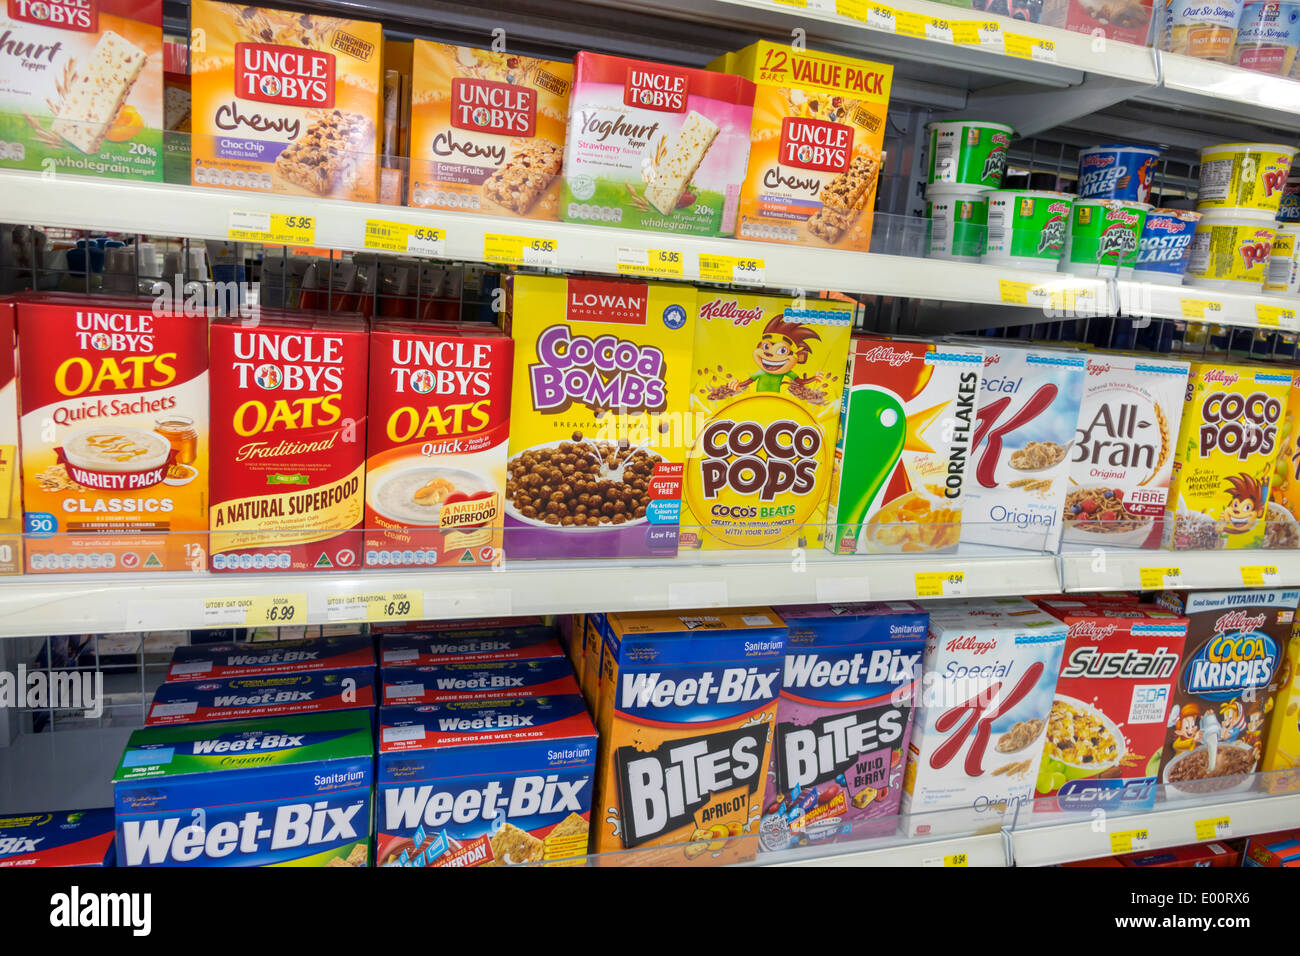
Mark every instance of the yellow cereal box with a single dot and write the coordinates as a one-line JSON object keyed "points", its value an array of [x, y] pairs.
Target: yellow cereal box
{"points": [[487, 130], [1282, 749], [815, 154], [285, 102], [1225, 456], [767, 378], [1284, 497]]}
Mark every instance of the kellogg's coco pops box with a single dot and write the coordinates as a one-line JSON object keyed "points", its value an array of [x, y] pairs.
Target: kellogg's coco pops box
{"points": [[902, 456], [289, 437], [114, 434], [439, 421], [767, 376], [1224, 459], [487, 130], [598, 416], [285, 102]]}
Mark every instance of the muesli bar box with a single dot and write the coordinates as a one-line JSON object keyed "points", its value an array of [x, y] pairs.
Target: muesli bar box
{"points": [[275, 695], [484, 783], [479, 680], [287, 791], [209, 662], [62, 838], [528, 642]]}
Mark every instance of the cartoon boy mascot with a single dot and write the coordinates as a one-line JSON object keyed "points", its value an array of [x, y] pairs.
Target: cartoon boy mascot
{"points": [[1232, 720], [1245, 507], [1187, 731], [783, 346], [1254, 733]]}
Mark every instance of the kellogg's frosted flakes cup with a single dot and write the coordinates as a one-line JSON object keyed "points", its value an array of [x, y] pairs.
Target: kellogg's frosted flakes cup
{"points": [[1117, 172], [1268, 37], [1165, 246]]}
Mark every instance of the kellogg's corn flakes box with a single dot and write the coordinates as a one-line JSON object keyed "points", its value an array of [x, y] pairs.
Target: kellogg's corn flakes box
{"points": [[767, 377], [904, 442], [1283, 506], [487, 130], [815, 145], [1225, 456]]}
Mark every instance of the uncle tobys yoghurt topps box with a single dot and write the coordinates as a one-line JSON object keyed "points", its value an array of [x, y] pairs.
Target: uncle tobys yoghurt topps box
{"points": [[275, 695], [484, 783], [215, 662], [62, 838], [479, 680], [657, 147], [842, 721]]}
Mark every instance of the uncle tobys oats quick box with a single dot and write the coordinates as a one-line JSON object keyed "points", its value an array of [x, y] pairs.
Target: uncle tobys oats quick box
{"points": [[62, 838], [289, 791], [479, 680], [484, 783], [527, 642], [274, 695], [209, 662]]}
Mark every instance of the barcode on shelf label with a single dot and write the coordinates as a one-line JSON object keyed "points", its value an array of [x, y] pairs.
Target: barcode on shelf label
{"points": [[660, 263], [1153, 579], [940, 583], [251, 225], [388, 236], [1198, 308], [1214, 828], [1260, 576], [951, 859], [256, 611], [1274, 316], [691, 594], [1129, 841], [521, 250], [339, 609], [718, 268], [843, 590]]}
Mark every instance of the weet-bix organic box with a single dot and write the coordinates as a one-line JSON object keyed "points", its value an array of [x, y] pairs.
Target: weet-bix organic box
{"points": [[275, 695], [288, 791], [209, 662], [63, 838], [525, 642], [484, 783], [481, 680]]}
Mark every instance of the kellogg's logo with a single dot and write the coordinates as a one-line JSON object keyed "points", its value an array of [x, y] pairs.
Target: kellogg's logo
{"points": [[730, 309], [1220, 377], [79, 15], [663, 89], [1239, 621], [972, 644], [992, 360], [816, 144], [1166, 224], [1098, 368], [1099, 160], [888, 355], [289, 76], [486, 106], [1092, 630]]}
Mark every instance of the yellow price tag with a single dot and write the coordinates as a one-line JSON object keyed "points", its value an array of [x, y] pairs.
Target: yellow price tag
{"points": [[1015, 293], [1153, 579], [1273, 316], [718, 268], [406, 605], [977, 33], [1127, 841], [1214, 828], [940, 583], [660, 263], [956, 859], [1044, 51], [247, 225], [908, 24], [402, 237], [853, 9], [803, 4], [261, 610], [881, 17], [1259, 575], [521, 250], [1199, 308]]}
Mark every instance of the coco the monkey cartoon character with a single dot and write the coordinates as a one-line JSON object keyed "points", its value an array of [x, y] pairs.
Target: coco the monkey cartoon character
{"points": [[1245, 507]]}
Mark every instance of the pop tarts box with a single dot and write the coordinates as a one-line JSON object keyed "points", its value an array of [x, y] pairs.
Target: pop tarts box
{"points": [[842, 720], [470, 646], [276, 695], [476, 783], [286, 791], [208, 662], [483, 680], [65, 838], [977, 738]]}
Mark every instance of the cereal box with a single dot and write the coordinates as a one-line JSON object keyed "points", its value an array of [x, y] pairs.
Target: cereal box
{"points": [[596, 627], [599, 415], [1214, 853], [213, 662], [842, 722], [1106, 731], [686, 716], [436, 466], [815, 145], [114, 435], [1282, 746], [904, 441], [1283, 507], [483, 680], [65, 838], [987, 686], [657, 147], [277, 695], [285, 102], [767, 377], [11, 478], [1224, 459], [1219, 715], [487, 130], [289, 429], [484, 783], [1024, 424], [1273, 849], [1122, 455], [82, 88], [529, 642], [289, 791]]}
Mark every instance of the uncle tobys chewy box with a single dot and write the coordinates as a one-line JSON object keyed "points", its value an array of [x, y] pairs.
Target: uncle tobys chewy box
{"points": [[289, 442], [63, 838], [214, 662], [685, 717], [286, 791], [274, 695], [478, 680], [484, 783]]}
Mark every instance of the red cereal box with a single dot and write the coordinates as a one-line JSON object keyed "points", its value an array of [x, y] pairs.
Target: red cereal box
{"points": [[1208, 854]]}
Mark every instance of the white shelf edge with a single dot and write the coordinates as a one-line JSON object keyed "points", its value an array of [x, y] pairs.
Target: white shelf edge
{"points": [[1193, 304], [984, 850], [1121, 570], [1269, 98]]}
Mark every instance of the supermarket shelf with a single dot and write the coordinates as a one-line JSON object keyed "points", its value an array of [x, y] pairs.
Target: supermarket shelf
{"points": [[986, 849], [1227, 91], [1208, 305], [69, 770], [1117, 569]]}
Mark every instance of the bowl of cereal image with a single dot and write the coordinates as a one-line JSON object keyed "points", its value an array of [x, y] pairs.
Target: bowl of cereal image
{"points": [[1281, 530], [1189, 773], [913, 522], [1098, 516], [1038, 456], [1081, 742], [413, 496]]}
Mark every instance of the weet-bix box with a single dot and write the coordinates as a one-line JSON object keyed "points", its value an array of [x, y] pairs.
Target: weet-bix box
{"points": [[65, 838], [484, 783], [482, 680], [274, 695], [528, 642], [287, 791], [215, 661]]}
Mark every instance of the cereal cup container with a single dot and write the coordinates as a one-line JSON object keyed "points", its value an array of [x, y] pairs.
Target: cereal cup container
{"points": [[1245, 180], [1283, 276], [1230, 253], [1205, 29], [1027, 228], [968, 153], [1102, 239], [1118, 172], [1268, 37], [1165, 246], [958, 221]]}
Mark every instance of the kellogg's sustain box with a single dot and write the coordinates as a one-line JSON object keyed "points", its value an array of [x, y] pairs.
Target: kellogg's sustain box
{"points": [[484, 783], [439, 421], [767, 374], [62, 838], [478, 680], [285, 102], [842, 721], [901, 458], [281, 791], [114, 435], [289, 442], [686, 712], [275, 695], [487, 130], [599, 417]]}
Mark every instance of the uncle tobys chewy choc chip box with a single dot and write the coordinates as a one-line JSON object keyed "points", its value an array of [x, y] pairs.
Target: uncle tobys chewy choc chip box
{"points": [[484, 783], [257, 659], [272, 695], [63, 838], [279, 791]]}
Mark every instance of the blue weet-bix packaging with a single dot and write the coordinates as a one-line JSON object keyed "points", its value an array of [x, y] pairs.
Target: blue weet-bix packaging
{"points": [[65, 838], [476, 783], [283, 791], [275, 695], [528, 642], [257, 659]]}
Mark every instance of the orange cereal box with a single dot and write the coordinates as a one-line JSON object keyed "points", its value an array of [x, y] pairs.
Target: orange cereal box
{"points": [[487, 130], [1284, 497], [285, 102], [114, 435], [11, 483], [815, 154], [1224, 460]]}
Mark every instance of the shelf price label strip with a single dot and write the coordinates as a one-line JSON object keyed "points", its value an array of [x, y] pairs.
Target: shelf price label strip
{"points": [[1260, 576], [940, 583], [385, 235], [1274, 316], [1199, 308], [744, 269], [879, 16], [521, 250], [1130, 841], [406, 605], [261, 610], [657, 263], [951, 859], [248, 225], [1155, 579], [1214, 828]]}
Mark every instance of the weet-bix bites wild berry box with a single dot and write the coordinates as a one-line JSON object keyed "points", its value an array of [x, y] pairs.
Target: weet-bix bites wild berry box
{"points": [[209, 662], [64, 838], [278, 695], [483, 680], [528, 642], [484, 783], [842, 721], [288, 791]]}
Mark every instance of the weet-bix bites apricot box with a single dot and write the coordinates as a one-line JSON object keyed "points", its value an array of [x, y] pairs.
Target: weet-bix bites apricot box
{"points": [[526, 642], [65, 838], [480, 680], [273, 695], [207, 662]]}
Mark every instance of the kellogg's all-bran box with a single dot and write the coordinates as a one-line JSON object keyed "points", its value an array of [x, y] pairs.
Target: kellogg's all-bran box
{"points": [[285, 102], [11, 478], [767, 373], [906, 423], [487, 130], [114, 435], [439, 419], [289, 442], [686, 713], [599, 415]]}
